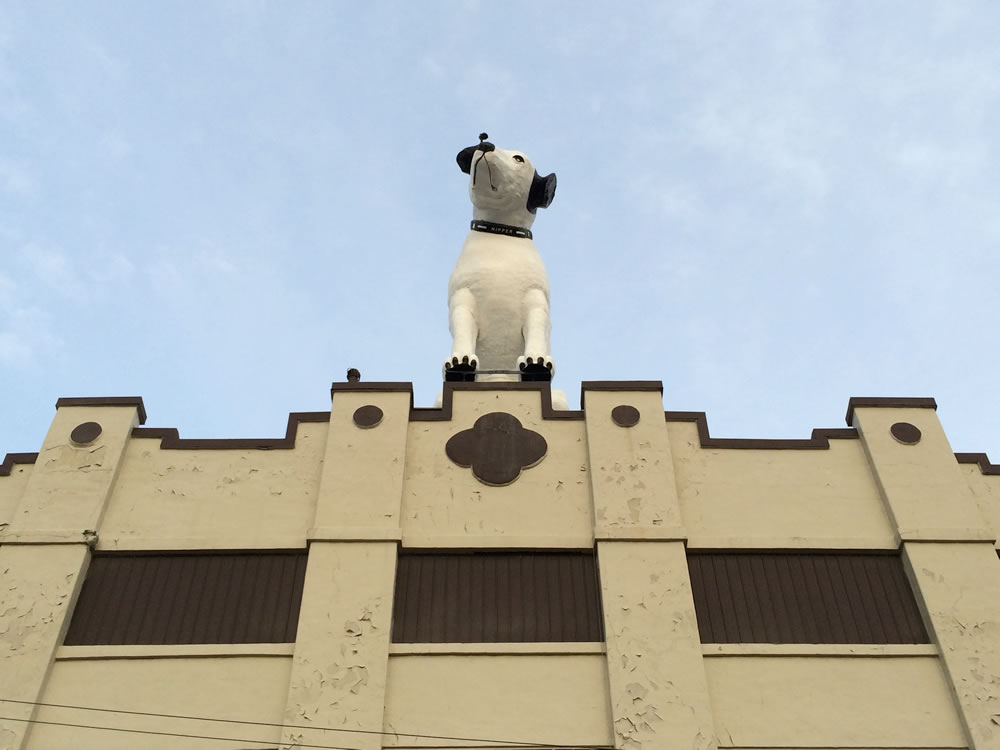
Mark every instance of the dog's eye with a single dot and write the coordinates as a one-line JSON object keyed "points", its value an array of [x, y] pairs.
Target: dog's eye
{"points": [[519, 158]]}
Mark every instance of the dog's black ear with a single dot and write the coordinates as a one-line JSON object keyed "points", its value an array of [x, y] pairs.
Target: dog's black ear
{"points": [[464, 158], [543, 190]]}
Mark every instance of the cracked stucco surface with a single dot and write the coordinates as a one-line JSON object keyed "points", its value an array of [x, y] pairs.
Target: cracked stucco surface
{"points": [[249, 688], [11, 489], [341, 656], [69, 485], [659, 696], [959, 585], [551, 499], [228, 498], [633, 473], [37, 588], [832, 701], [922, 485], [985, 489], [775, 496], [528, 697], [364, 463]]}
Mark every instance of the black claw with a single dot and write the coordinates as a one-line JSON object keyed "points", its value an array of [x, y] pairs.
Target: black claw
{"points": [[465, 360], [536, 372]]}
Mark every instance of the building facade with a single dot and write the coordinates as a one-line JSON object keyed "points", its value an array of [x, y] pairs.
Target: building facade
{"points": [[496, 573]]}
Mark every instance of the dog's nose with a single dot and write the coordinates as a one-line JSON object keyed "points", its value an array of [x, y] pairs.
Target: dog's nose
{"points": [[484, 145], [464, 157]]}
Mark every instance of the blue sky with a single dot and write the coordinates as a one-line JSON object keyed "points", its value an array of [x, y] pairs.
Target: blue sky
{"points": [[769, 206]]}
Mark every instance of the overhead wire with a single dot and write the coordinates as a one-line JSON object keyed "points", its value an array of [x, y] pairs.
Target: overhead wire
{"points": [[490, 743], [169, 734]]}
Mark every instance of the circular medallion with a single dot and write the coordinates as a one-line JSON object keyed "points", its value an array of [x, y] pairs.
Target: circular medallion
{"points": [[85, 433], [625, 415], [906, 433], [367, 416]]}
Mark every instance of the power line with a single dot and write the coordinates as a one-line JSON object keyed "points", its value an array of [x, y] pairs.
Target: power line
{"points": [[504, 744], [169, 734]]}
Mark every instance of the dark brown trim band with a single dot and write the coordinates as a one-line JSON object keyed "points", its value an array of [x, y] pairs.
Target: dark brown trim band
{"points": [[887, 402], [107, 401], [618, 385], [16, 458], [170, 439], [373, 385], [422, 414], [820, 437], [979, 458]]}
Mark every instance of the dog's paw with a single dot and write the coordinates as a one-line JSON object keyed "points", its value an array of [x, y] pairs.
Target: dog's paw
{"points": [[536, 368], [460, 367]]}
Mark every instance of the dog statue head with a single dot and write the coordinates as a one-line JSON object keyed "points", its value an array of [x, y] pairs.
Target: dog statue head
{"points": [[503, 185]]}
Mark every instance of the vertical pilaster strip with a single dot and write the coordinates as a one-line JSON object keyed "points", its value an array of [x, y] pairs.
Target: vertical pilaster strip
{"points": [[341, 655], [45, 551], [948, 551], [659, 692], [341, 658]]}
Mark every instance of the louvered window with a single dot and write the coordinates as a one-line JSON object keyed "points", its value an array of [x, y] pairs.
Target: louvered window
{"points": [[176, 598], [803, 597], [500, 597]]}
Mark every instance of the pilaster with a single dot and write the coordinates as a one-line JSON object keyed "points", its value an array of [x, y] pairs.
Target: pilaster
{"points": [[341, 657], [362, 481], [659, 693], [45, 550], [948, 551], [632, 472]]}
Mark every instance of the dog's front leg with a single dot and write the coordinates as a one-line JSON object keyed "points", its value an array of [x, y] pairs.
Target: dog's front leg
{"points": [[537, 326], [464, 330]]}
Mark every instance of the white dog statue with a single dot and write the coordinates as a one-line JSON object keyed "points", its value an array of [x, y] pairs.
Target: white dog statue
{"points": [[498, 294]]}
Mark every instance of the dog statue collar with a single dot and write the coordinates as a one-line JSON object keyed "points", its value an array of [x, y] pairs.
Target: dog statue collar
{"points": [[494, 228]]}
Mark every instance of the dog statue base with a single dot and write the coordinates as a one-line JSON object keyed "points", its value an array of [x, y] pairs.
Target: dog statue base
{"points": [[466, 373]]}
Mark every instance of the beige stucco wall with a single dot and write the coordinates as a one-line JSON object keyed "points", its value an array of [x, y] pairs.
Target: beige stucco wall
{"points": [[958, 587], [985, 489], [66, 494], [39, 584], [250, 688], [11, 488], [925, 492], [444, 505], [197, 499], [338, 673], [558, 699], [657, 683], [832, 701], [777, 498], [353, 492]]}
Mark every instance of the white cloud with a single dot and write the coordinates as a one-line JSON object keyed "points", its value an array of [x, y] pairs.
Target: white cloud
{"points": [[26, 333], [8, 289], [16, 180], [116, 146], [110, 268], [14, 350], [55, 270], [766, 134], [954, 164]]}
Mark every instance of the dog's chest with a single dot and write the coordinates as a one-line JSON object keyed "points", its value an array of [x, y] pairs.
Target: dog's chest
{"points": [[498, 269]]}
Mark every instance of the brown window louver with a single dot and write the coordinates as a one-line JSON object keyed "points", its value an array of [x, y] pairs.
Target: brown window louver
{"points": [[177, 598], [803, 597], [496, 597]]}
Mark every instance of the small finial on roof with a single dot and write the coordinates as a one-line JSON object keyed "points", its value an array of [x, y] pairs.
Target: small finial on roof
{"points": [[353, 375]]}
